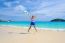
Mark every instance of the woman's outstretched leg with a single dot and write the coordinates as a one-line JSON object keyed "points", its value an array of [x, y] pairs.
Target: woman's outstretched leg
{"points": [[29, 28], [35, 28]]}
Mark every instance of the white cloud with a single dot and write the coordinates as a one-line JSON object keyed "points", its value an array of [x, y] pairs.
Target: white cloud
{"points": [[14, 8], [48, 11], [43, 9], [19, 8], [29, 1], [8, 4], [11, 4]]}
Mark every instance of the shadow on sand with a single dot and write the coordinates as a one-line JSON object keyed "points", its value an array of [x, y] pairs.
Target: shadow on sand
{"points": [[18, 33]]}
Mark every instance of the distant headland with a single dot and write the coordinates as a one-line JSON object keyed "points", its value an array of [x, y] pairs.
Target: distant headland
{"points": [[58, 20], [5, 20]]}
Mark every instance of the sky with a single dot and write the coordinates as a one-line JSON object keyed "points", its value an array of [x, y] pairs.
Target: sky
{"points": [[22, 10]]}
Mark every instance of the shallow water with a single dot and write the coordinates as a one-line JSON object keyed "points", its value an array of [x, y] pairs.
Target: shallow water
{"points": [[55, 25]]}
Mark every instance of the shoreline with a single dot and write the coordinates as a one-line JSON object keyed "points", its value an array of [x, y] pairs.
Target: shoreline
{"points": [[52, 29]]}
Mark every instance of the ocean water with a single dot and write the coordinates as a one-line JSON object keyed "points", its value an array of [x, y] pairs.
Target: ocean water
{"points": [[55, 25]]}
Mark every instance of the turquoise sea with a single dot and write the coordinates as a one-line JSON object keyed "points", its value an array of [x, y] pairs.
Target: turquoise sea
{"points": [[55, 25]]}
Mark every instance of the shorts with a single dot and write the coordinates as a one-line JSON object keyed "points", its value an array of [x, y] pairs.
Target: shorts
{"points": [[32, 23]]}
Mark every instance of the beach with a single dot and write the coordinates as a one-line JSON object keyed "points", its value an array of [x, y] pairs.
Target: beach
{"points": [[12, 34]]}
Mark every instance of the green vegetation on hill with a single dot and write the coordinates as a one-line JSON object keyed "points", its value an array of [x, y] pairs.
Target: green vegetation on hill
{"points": [[5, 20], [2, 21], [58, 20]]}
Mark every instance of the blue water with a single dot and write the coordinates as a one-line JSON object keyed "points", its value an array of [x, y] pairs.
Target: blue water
{"points": [[56, 25]]}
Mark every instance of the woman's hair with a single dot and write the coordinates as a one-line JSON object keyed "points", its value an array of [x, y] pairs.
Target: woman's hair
{"points": [[33, 17]]}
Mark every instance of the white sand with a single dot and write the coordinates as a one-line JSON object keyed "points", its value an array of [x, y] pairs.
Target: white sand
{"points": [[20, 35]]}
